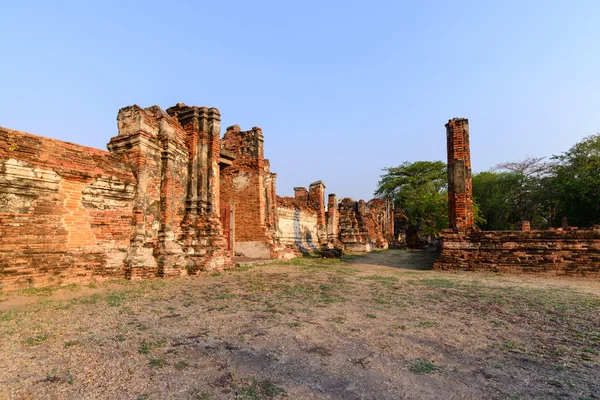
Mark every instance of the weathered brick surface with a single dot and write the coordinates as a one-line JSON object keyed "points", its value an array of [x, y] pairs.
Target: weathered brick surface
{"points": [[552, 251], [65, 211], [150, 207], [556, 251], [354, 234], [301, 219], [379, 218], [460, 186], [365, 226], [249, 186]]}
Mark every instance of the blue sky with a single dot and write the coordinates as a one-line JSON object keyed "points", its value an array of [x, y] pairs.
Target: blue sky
{"points": [[341, 89]]}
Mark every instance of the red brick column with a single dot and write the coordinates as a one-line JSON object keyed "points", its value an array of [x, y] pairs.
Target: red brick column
{"points": [[460, 187], [316, 195]]}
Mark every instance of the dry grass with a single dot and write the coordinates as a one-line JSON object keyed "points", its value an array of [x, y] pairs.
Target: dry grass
{"points": [[375, 327]]}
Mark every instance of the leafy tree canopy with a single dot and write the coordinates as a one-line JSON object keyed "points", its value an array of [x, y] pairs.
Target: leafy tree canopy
{"points": [[419, 188], [577, 182]]}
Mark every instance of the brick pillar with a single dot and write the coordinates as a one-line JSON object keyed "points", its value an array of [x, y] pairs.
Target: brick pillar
{"points": [[213, 152], [169, 253], [316, 196], [205, 244], [333, 219], [301, 193], [460, 188], [137, 144]]}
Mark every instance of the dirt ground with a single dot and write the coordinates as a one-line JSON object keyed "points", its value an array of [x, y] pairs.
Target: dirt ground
{"points": [[378, 326]]}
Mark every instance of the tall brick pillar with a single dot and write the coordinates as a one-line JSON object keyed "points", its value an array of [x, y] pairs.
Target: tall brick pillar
{"points": [[460, 187], [333, 219], [316, 196], [203, 234], [137, 145]]}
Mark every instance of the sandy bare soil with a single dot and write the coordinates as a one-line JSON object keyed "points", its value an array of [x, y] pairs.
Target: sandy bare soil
{"points": [[379, 326]]}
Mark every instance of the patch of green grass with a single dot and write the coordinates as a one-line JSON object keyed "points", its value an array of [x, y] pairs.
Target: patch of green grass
{"points": [[157, 363], [422, 366], [8, 315], [35, 340], [72, 343], [114, 298], [371, 316], [555, 383], [215, 274], [380, 278], [146, 347], [338, 320], [258, 390], [239, 268], [427, 324]]}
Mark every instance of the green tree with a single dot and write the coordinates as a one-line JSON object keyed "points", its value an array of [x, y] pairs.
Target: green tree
{"points": [[577, 182], [529, 173], [497, 195], [420, 189]]}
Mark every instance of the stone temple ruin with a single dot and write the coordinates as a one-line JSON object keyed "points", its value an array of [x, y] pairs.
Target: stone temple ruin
{"points": [[169, 198], [565, 250]]}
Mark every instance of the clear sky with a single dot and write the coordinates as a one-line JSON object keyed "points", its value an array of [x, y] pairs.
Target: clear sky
{"points": [[341, 89]]}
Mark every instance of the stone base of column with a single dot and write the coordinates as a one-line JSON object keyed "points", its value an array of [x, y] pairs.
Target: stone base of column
{"points": [[140, 263], [170, 259]]}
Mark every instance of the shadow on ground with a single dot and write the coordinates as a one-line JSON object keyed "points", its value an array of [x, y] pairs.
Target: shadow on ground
{"points": [[397, 258]]}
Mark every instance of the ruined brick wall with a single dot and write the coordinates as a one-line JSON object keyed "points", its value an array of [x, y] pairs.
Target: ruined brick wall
{"points": [[298, 225], [301, 219], [154, 146], [556, 251], [460, 187], [65, 212], [353, 230], [249, 186], [365, 226], [379, 218], [552, 251], [150, 207]]}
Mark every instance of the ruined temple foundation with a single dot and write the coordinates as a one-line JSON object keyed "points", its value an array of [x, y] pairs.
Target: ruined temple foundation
{"points": [[464, 247], [169, 198]]}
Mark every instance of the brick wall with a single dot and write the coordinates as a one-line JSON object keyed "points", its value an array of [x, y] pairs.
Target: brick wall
{"points": [[553, 251], [353, 231], [249, 186], [150, 207], [65, 212], [556, 251]]}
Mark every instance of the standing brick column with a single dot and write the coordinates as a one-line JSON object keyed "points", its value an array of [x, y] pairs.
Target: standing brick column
{"points": [[203, 239], [316, 195], [460, 187]]}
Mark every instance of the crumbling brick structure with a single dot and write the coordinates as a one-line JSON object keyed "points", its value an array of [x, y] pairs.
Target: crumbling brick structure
{"points": [[301, 219], [169, 198], [366, 226], [149, 207], [249, 186], [557, 251]]}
